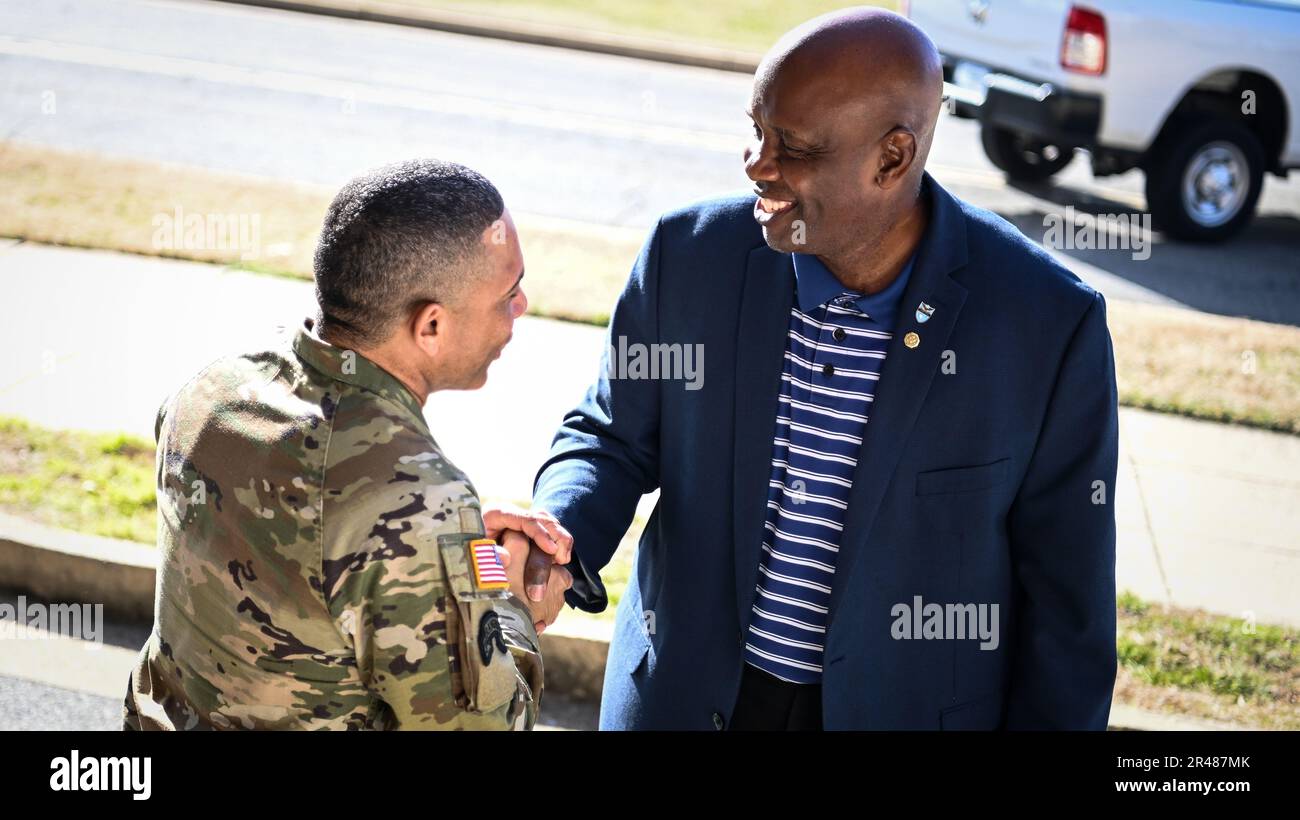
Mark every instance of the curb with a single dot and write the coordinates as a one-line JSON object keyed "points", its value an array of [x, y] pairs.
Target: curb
{"points": [[61, 565], [519, 31], [1132, 719], [574, 652]]}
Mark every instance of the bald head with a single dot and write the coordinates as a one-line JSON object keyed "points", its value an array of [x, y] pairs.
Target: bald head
{"points": [[877, 60], [845, 108]]}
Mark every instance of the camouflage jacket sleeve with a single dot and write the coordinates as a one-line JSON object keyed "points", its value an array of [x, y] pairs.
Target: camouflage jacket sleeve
{"points": [[398, 523]]}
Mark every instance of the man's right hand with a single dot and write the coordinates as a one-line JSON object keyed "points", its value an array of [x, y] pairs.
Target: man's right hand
{"points": [[539, 570]]}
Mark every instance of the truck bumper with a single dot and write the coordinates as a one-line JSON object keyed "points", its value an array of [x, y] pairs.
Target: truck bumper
{"points": [[1032, 107]]}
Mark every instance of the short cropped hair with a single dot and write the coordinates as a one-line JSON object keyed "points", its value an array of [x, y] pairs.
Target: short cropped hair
{"points": [[397, 238]]}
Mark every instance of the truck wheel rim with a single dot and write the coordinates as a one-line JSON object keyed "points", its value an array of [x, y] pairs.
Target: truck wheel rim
{"points": [[1215, 184]]}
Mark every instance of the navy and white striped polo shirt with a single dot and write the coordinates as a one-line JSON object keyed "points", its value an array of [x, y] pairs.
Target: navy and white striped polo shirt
{"points": [[834, 352]]}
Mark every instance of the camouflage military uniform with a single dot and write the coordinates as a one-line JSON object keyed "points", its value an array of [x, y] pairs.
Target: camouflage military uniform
{"points": [[314, 570]]}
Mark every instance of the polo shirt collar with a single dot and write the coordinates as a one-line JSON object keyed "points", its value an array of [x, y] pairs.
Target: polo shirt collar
{"points": [[816, 285]]}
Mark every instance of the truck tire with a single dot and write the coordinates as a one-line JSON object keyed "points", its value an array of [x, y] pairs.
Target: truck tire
{"points": [[1020, 157], [1203, 180]]}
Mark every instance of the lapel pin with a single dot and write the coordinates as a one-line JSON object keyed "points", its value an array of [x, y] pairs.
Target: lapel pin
{"points": [[924, 312], [911, 340]]}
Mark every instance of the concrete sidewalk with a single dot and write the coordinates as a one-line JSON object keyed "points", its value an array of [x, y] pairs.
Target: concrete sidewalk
{"points": [[1209, 514], [536, 32]]}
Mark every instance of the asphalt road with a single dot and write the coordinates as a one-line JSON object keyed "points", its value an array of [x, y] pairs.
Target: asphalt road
{"points": [[591, 138]]}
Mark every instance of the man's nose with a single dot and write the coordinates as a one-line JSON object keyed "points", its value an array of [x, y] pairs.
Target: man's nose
{"points": [[522, 307], [760, 165]]}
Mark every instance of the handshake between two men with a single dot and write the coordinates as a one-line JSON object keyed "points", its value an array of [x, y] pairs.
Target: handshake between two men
{"points": [[351, 578], [534, 548]]}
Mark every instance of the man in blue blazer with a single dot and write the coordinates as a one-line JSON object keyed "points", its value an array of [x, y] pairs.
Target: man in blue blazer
{"points": [[886, 492]]}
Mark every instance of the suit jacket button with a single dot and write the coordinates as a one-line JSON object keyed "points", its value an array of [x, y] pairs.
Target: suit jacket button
{"points": [[718, 722]]}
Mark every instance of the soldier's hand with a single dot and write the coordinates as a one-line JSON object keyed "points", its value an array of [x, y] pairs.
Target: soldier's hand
{"points": [[558, 582], [544, 531], [526, 564]]}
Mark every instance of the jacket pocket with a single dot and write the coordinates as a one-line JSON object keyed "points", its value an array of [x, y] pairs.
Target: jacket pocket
{"points": [[644, 662], [982, 714], [962, 479], [635, 650]]}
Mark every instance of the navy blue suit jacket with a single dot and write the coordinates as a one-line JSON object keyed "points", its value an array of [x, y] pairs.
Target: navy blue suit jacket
{"points": [[993, 484]]}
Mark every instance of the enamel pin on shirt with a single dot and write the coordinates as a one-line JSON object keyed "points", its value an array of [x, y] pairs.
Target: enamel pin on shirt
{"points": [[924, 312]]}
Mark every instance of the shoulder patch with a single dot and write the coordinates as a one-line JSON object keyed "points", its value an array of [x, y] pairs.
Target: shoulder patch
{"points": [[488, 571], [459, 559]]}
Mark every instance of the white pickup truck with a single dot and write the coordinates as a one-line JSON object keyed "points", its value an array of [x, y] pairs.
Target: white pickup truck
{"points": [[1202, 95]]}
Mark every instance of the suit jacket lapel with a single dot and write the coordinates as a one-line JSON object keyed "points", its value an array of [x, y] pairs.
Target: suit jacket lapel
{"points": [[907, 374], [760, 356]]}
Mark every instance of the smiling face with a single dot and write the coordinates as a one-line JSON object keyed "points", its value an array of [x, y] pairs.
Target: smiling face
{"points": [[813, 159], [473, 330], [843, 109], [487, 315]]}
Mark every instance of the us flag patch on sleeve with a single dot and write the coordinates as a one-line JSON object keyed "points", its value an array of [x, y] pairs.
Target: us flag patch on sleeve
{"points": [[488, 571]]}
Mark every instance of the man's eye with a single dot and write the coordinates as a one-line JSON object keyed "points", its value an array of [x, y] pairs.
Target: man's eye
{"points": [[758, 132]]}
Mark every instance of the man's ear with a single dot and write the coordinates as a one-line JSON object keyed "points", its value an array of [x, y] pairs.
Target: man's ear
{"points": [[428, 327], [897, 151]]}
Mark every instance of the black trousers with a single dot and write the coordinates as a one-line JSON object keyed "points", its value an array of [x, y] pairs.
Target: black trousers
{"points": [[769, 704]]}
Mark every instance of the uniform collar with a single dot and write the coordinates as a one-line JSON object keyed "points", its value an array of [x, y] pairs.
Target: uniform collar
{"points": [[351, 367]]}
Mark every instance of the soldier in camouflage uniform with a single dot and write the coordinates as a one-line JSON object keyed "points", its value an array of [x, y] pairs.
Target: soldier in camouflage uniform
{"points": [[318, 567]]}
